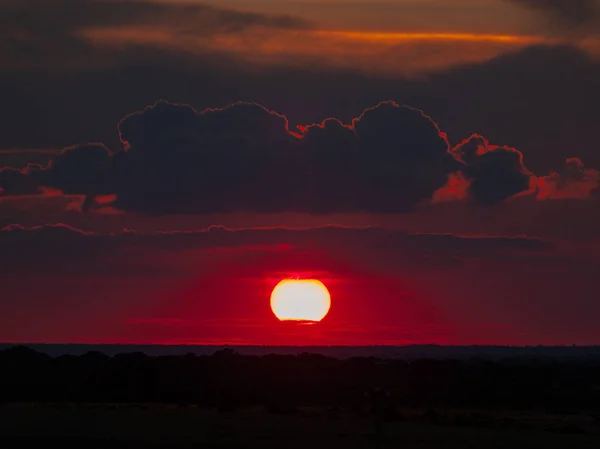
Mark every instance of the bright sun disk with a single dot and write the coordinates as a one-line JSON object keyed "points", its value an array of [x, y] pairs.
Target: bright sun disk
{"points": [[300, 300]]}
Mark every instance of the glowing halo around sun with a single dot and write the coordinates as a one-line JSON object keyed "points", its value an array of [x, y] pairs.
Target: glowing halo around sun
{"points": [[300, 300]]}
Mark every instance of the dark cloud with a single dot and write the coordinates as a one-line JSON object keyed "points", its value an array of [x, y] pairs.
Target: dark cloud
{"points": [[14, 182], [386, 160], [568, 13], [495, 173], [83, 169], [241, 157], [492, 174], [245, 158]]}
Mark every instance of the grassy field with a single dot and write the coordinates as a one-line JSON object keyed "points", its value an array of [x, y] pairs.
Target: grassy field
{"points": [[157, 426]]}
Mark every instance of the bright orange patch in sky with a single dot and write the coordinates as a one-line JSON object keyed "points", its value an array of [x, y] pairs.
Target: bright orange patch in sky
{"points": [[300, 300], [394, 36], [390, 52]]}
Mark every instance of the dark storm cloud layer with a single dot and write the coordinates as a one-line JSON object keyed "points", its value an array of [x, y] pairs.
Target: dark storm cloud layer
{"points": [[245, 158], [571, 14]]}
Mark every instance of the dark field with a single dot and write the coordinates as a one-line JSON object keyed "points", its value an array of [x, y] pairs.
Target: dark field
{"points": [[155, 425], [283, 401]]}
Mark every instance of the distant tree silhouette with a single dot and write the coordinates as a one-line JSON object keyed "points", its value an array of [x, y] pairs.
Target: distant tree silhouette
{"points": [[283, 384]]}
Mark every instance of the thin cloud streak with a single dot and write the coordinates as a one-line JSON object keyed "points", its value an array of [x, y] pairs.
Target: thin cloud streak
{"points": [[98, 34], [404, 54], [402, 37]]}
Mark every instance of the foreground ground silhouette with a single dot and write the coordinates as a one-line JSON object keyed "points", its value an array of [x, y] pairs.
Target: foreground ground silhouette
{"points": [[230, 400]]}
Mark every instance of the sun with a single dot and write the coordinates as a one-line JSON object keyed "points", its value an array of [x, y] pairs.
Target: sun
{"points": [[300, 300]]}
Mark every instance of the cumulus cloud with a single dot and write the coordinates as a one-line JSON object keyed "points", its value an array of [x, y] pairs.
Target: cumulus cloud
{"points": [[386, 160], [78, 170], [241, 157], [246, 158], [494, 173]]}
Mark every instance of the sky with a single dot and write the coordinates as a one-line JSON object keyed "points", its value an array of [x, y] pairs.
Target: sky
{"points": [[163, 164]]}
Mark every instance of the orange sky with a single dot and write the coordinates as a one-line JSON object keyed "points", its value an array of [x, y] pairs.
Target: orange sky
{"points": [[404, 53], [404, 37], [397, 37]]}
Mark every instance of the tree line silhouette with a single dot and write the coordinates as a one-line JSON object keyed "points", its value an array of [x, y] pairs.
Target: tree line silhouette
{"points": [[228, 380]]}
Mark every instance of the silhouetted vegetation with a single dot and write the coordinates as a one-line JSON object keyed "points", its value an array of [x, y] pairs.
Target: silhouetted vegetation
{"points": [[282, 383]]}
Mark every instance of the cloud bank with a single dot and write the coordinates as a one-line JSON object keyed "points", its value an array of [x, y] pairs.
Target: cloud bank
{"points": [[245, 158]]}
